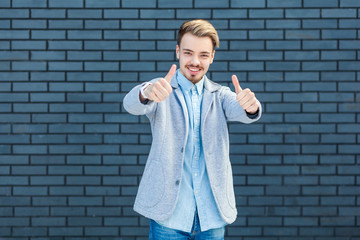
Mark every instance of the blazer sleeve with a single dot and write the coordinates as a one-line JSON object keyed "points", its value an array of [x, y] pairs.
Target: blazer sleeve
{"points": [[232, 109], [133, 105]]}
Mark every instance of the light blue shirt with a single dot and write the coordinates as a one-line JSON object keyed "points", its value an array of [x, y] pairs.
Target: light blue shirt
{"points": [[195, 191]]}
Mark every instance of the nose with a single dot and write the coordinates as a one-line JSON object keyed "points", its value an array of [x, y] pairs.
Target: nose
{"points": [[195, 60]]}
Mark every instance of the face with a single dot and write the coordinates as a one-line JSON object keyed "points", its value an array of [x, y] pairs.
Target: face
{"points": [[195, 55]]}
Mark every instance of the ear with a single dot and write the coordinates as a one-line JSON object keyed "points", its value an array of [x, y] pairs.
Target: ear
{"points": [[177, 51], [212, 57]]}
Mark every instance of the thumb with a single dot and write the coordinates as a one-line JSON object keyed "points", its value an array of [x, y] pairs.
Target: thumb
{"points": [[171, 73], [236, 83]]}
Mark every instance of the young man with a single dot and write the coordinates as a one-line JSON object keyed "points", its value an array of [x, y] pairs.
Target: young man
{"points": [[187, 185]]}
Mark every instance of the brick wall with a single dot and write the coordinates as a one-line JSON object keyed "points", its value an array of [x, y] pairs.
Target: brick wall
{"points": [[71, 157]]}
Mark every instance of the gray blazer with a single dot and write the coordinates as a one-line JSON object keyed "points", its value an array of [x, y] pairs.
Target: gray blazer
{"points": [[159, 187]]}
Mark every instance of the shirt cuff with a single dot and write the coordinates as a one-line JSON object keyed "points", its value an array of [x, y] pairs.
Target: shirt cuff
{"points": [[254, 115]]}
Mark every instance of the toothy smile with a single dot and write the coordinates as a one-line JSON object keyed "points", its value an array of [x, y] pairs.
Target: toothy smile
{"points": [[194, 69]]}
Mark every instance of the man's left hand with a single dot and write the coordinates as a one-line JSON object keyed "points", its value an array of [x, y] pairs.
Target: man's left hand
{"points": [[246, 97]]}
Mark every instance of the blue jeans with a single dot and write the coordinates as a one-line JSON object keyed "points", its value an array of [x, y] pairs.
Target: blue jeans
{"points": [[159, 232]]}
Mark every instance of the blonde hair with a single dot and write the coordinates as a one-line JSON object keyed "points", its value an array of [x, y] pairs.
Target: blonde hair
{"points": [[199, 28]]}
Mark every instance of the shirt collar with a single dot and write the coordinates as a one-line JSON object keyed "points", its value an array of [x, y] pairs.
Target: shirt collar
{"points": [[187, 85]]}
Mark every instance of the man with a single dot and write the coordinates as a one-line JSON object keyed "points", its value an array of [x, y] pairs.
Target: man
{"points": [[187, 187]]}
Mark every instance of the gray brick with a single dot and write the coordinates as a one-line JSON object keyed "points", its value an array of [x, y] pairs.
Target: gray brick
{"points": [[157, 14], [337, 221], [338, 201], [65, 45], [5, 3], [120, 34], [338, 55], [5, 24], [349, 44], [319, 190], [283, 66], [65, 231], [121, 13], [247, 24], [14, 13], [65, 66], [266, 34], [46, 13], [84, 13], [348, 23], [174, 4], [300, 221], [338, 34], [230, 13], [320, 3], [320, 23], [101, 66], [302, 13], [84, 34], [29, 24], [82, 76], [282, 24], [66, 4], [102, 24], [282, 149], [283, 4], [65, 24], [266, 13], [101, 45], [48, 55], [246, 66], [84, 55], [302, 34], [139, 4], [102, 4], [4, 45], [349, 3], [194, 13], [339, 13], [248, 4], [283, 45], [104, 191]]}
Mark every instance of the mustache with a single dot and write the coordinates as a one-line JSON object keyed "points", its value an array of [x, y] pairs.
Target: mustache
{"points": [[193, 66]]}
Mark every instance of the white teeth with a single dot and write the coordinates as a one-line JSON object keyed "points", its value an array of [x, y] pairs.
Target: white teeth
{"points": [[194, 70]]}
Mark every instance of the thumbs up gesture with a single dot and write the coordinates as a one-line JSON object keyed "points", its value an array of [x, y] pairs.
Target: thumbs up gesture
{"points": [[161, 89], [246, 97]]}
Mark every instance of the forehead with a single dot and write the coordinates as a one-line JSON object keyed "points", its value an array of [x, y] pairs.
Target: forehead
{"points": [[195, 43]]}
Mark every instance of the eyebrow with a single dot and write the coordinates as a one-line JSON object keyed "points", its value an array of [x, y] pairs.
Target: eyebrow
{"points": [[185, 49]]}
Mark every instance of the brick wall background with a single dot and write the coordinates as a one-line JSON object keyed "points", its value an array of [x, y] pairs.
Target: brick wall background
{"points": [[71, 157]]}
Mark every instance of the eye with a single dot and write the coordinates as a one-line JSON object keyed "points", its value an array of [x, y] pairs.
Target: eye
{"points": [[204, 56], [187, 53]]}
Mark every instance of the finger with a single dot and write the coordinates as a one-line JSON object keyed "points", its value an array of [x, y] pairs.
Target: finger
{"points": [[159, 94], [252, 109], [154, 97], [171, 73], [161, 89], [236, 83], [165, 85], [250, 98], [243, 94], [247, 105]]}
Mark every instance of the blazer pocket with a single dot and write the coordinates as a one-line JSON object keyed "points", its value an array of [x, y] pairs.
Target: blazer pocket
{"points": [[151, 189], [230, 187]]}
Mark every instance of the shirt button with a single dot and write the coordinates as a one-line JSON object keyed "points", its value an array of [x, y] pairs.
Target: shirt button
{"points": [[195, 174], [177, 182], [196, 192]]}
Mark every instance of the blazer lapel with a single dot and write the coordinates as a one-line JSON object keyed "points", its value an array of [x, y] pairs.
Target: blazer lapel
{"points": [[179, 95]]}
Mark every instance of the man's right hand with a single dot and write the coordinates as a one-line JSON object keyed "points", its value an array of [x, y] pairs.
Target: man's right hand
{"points": [[161, 89]]}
